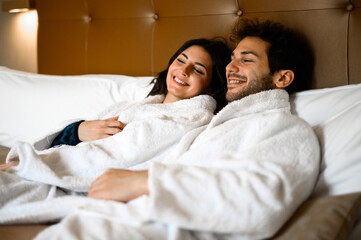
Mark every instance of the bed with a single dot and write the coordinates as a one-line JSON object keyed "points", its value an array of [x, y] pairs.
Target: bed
{"points": [[94, 53]]}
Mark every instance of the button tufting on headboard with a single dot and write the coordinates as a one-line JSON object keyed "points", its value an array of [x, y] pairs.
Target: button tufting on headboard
{"points": [[129, 38], [88, 19], [350, 7]]}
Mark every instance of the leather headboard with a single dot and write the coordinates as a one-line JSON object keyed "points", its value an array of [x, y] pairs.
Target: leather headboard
{"points": [[137, 37]]}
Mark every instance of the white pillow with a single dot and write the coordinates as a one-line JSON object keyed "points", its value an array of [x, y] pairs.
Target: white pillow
{"points": [[31, 104], [335, 115]]}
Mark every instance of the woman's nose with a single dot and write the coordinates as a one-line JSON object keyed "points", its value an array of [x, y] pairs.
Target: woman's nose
{"points": [[185, 69]]}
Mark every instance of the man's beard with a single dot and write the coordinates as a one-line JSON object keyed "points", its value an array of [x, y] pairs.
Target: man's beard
{"points": [[255, 85]]}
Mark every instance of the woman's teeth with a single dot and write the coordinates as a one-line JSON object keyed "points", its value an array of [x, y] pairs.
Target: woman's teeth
{"points": [[181, 82]]}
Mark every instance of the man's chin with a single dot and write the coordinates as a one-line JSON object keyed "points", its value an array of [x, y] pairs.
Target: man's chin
{"points": [[233, 93], [230, 96], [237, 93]]}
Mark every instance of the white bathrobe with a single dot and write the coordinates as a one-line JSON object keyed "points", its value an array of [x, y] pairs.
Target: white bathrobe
{"points": [[240, 177], [152, 130], [245, 173]]}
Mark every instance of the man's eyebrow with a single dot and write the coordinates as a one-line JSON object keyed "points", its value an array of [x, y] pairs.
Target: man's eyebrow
{"points": [[245, 53], [197, 63], [249, 52]]}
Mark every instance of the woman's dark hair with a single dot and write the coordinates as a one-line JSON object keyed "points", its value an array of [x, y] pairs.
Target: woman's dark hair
{"points": [[288, 49], [221, 56]]}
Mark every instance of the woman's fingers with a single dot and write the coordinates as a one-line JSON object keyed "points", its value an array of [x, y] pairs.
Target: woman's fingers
{"points": [[114, 123], [113, 126], [98, 129]]}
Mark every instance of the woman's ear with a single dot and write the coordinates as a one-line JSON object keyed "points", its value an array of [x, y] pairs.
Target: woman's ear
{"points": [[283, 78]]}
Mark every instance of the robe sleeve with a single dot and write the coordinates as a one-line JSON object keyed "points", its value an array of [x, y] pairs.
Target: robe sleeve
{"points": [[69, 136]]}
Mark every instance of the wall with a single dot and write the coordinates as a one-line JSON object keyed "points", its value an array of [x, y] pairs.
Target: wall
{"points": [[18, 40]]}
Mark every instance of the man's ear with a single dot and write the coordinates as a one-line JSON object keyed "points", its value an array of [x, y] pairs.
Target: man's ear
{"points": [[283, 78]]}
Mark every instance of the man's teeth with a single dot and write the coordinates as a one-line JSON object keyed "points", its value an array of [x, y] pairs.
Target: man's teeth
{"points": [[179, 81], [235, 81]]}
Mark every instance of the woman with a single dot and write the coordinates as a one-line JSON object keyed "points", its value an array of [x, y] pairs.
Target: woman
{"points": [[215, 85], [148, 129]]}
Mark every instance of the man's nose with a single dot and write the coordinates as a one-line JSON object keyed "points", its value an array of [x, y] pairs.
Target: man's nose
{"points": [[231, 66]]}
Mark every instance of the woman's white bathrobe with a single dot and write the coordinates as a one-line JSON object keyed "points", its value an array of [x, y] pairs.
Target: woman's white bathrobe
{"points": [[240, 177], [152, 130]]}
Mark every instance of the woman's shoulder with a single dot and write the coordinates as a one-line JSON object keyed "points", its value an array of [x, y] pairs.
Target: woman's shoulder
{"points": [[201, 101]]}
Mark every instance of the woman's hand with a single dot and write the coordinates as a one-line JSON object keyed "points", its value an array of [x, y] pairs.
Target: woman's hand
{"points": [[98, 129], [120, 185], [6, 166]]}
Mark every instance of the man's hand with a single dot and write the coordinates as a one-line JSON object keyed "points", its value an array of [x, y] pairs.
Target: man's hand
{"points": [[120, 185], [98, 129], [6, 166]]}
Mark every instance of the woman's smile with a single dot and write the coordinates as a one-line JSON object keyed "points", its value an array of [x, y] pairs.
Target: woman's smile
{"points": [[177, 80]]}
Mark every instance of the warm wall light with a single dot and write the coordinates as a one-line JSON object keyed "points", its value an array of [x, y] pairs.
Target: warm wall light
{"points": [[29, 23], [15, 6]]}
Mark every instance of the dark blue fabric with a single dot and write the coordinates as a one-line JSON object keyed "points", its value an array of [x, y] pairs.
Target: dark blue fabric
{"points": [[69, 136]]}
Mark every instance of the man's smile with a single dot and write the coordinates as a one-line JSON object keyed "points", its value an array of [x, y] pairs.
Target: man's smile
{"points": [[235, 79]]}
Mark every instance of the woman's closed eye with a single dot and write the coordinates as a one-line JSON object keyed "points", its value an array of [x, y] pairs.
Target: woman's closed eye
{"points": [[198, 71], [180, 60]]}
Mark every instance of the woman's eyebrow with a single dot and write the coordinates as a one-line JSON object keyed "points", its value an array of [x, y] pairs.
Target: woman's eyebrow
{"points": [[197, 63]]}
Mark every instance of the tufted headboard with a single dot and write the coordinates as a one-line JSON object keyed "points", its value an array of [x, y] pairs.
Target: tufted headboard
{"points": [[138, 37]]}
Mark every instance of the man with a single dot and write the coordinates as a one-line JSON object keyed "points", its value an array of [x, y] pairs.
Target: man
{"points": [[244, 174]]}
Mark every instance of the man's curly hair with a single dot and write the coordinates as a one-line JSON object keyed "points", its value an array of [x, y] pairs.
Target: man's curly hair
{"points": [[288, 49]]}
